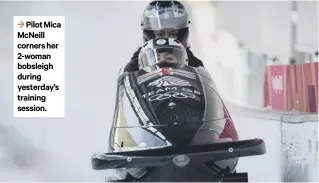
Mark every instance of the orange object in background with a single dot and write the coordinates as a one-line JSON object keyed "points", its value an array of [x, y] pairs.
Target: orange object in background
{"points": [[292, 87]]}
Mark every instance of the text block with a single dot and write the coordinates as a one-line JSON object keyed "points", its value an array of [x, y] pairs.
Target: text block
{"points": [[38, 66]]}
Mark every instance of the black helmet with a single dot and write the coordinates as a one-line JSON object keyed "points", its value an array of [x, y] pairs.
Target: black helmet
{"points": [[159, 15]]}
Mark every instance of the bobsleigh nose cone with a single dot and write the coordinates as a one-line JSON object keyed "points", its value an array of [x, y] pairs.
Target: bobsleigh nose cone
{"points": [[181, 160]]}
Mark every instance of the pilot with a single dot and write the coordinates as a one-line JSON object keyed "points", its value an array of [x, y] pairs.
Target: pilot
{"points": [[167, 57], [163, 52]]}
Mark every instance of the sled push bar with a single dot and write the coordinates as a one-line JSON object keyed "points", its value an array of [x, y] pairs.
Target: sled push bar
{"points": [[162, 156]]}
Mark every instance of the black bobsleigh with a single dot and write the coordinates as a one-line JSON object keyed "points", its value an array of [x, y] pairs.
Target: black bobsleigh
{"points": [[171, 125]]}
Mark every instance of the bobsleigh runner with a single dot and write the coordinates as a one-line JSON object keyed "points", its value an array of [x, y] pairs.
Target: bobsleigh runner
{"points": [[171, 125]]}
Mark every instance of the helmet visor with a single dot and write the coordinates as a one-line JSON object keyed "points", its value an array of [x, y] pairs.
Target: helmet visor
{"points": [[170, 55], [171, 17]]}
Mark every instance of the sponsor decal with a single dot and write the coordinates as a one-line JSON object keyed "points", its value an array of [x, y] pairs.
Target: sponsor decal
{"points": [[169, 81], [171, 92], [169, 95], [178, 72]]}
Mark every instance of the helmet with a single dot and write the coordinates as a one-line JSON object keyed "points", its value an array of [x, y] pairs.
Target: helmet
{"points": [[163, 15], [162, 51]]}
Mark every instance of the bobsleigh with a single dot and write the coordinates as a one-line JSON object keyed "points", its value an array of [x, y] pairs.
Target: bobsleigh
{"points": [[171, 125]]}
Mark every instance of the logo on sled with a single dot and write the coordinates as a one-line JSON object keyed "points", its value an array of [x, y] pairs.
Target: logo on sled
{"points": [[169, 81], [161, 41]]}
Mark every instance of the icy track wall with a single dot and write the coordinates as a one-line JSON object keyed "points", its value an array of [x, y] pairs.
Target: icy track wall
{"points": [[298, 139], [288, 88], [221, 55]]}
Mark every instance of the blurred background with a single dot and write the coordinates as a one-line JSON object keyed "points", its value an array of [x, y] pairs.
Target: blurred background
{"points": [[239, 38], [236, 40]]}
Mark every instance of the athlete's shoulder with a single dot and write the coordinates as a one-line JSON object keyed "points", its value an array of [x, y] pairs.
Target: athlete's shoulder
{"points": [[193, 60]]}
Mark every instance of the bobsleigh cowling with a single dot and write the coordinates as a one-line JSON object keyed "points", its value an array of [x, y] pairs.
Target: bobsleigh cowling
{"points": [[171, 125]]}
